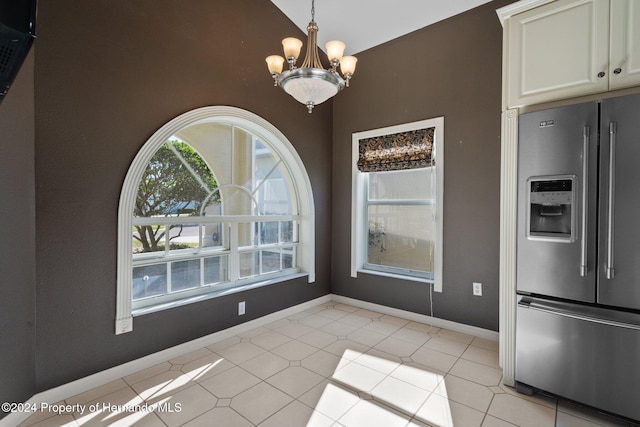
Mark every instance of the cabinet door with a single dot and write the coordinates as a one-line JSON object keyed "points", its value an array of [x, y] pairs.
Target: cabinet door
{"points": [[558, 50], [625, 44]]}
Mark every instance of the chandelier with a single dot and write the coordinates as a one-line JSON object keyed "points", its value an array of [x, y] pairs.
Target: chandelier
{"points": [[311, 84]]}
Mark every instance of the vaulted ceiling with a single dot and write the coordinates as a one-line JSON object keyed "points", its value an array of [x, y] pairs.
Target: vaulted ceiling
{"points": [[363, 24]]}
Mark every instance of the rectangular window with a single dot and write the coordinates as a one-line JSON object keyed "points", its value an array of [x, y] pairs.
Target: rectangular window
{"points": [[397, 203]]}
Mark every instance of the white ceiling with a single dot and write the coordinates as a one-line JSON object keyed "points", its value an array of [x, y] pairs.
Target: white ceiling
{"points": [[363, 24]]}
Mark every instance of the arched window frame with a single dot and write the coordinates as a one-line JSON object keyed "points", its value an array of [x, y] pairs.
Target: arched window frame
{"points": [[246, 120]]}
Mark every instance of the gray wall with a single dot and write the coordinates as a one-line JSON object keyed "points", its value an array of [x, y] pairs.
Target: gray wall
{"points": [[450, 69], [17, 239], [108, 75]]}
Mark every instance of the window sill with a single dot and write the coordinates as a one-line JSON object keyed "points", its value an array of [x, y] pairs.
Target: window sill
{"points": [[214, 294], [396, 276]]}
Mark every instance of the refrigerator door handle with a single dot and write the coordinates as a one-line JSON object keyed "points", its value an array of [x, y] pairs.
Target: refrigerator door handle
{"points": [[609, 270], [585, 199], [575, 315]]}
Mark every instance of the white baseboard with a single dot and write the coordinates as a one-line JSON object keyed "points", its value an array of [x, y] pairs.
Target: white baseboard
{"points": [[421, 318], [98, 379]]}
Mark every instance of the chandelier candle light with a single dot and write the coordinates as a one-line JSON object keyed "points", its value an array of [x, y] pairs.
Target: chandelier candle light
{"points": [[311, 84]]}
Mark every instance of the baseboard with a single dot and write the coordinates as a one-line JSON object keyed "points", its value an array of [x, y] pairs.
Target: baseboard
{"points": [[416, 317], [98, 379]]}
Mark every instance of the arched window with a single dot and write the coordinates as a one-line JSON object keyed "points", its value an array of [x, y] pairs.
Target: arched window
{"points": [[216, 201]]}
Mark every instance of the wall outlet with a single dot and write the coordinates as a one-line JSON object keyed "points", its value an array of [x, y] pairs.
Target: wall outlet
{"points": [[241, 308], [477, 289]]}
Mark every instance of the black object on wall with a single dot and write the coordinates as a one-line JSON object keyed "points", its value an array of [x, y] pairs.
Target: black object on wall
{"points": [[17, 32]]}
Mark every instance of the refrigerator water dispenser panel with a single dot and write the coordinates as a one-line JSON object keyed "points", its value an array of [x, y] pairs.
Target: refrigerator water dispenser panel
{"points": [[551, 214]]}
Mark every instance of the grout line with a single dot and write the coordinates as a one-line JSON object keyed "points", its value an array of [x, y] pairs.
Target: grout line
{"points": [[367, 396], [329, 302]]}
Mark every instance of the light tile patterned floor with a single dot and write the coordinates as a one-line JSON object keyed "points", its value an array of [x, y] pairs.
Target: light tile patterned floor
{"points": [[333, 365]]}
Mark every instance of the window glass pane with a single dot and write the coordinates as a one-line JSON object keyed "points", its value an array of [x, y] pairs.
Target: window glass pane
{"points": [[149, 280], [401, 236], [249, 264], [273, 197], [237, 201], [184, 236], [212, 141], [176, 182], [212, 236], [287, 232], [214, 206], [185, 275], [215, 269], [270, 261], [272, 179], [411, 184], [148, 238], [288, 257], [247, 234], [268, 233]]}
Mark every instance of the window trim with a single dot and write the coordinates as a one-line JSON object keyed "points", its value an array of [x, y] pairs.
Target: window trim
{"points": [[233, 116], [358, 206]]}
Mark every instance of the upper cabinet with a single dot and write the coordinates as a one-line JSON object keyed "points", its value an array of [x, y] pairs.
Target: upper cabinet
{"points": [[566, 48], [625, 44]]}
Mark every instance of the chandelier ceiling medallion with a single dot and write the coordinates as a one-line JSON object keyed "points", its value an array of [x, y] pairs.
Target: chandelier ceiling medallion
{"points": [[311, 84]]}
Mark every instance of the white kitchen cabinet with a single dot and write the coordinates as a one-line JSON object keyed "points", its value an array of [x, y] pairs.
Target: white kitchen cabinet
{"points": [[625, 44], [567, 48]]}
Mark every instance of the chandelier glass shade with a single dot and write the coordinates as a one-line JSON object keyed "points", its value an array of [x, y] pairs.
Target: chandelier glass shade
{"points": [[311, 84]]}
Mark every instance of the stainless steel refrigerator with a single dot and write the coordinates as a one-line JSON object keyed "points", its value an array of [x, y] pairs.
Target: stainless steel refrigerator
{"points": [[578, 259]]}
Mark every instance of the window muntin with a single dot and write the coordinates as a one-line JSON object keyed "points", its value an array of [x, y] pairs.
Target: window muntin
{"points": [[216, 127], [397, 214]]}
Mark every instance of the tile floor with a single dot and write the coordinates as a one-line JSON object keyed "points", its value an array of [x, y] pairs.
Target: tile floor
{"points": [[332, 365]]}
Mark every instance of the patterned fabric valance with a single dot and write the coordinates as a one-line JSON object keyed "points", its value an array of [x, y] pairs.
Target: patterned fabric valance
{"points": [[405, 150]]}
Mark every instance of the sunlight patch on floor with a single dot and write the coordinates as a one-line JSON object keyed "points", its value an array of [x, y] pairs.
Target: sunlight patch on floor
{"points": [[375, 391]]}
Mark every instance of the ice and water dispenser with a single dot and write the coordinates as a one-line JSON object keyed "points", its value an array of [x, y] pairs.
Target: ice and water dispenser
{"points": [[551, 214]]}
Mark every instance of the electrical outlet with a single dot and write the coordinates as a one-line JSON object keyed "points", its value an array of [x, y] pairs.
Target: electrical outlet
{"points": [[241, 308], [477, 289]]}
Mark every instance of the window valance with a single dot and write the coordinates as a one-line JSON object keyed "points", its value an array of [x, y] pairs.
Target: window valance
{"points": [[404, 150]]}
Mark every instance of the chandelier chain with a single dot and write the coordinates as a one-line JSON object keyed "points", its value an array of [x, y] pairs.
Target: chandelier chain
{"points": [[313, 10]]}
